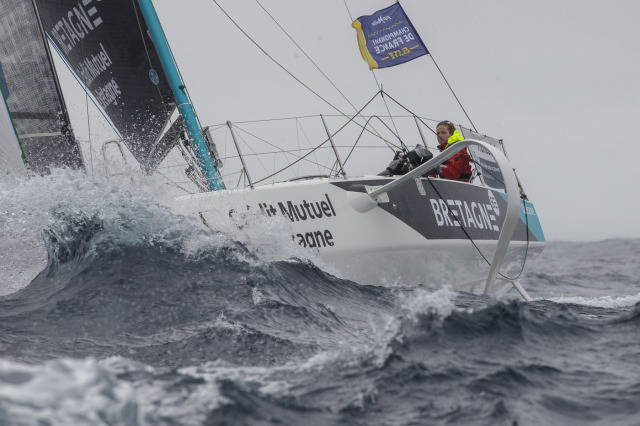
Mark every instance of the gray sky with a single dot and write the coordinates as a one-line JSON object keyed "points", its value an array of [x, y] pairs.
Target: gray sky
{"points": [[559, 81]]}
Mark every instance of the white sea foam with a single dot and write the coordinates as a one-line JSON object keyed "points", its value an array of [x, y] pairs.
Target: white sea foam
{"points": [[612, 302], [160, 398], [129, 215], [422, 301], [65, 392]]}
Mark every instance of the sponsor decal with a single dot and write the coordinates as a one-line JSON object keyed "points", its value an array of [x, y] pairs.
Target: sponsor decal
{"points": [[153, 75], [76, 24], [381, 20], [467, 214], [527, 209], [90, 68], [494, 203], [108, 93], [302, 212]]}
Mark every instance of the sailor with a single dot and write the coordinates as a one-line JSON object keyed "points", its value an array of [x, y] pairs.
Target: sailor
{"points": [[456, 167]]}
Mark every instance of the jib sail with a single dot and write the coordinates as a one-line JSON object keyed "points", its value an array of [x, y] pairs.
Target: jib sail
{"points": [[31, 91], [108, 46]]}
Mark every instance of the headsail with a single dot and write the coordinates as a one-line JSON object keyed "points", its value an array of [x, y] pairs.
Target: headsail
{"points": [[32, 94], [108, 46]]}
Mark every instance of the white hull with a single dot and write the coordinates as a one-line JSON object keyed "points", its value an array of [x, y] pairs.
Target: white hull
{"points": [[405, 241]]}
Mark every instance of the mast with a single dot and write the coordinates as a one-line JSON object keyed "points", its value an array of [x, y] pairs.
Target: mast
{"points": [[177, 87]]}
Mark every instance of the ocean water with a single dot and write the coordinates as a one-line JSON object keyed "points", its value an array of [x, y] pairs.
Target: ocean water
{"points": [[116, 312]]}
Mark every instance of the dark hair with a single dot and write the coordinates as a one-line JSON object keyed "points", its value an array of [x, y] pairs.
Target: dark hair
{"points": [[449, 125]]}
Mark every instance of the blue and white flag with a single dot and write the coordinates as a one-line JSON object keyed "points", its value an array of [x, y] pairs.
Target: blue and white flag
{"points": [[387, 38]]}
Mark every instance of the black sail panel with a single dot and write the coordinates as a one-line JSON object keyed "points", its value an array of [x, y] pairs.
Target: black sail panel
{"points": [[108, 46], [31, 91]]}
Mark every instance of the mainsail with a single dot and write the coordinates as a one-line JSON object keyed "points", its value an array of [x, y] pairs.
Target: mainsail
{"points": [[31, 91], [108, 46], [10, 151]]}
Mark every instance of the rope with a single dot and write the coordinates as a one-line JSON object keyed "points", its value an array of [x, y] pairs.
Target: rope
{"points": [[452, 217], [86, 103], [146, 50], [397, 134], [325, 141], [454, 93], [278, 150], [412, 113], [308, 57], [274, 61], [84, 87], [289, 72]]}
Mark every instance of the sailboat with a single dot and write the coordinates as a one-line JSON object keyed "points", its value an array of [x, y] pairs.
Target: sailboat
{"points": [[379, 229]]}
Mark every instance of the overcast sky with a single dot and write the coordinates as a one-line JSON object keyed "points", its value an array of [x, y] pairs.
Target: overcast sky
{"points": [[559, 81]]}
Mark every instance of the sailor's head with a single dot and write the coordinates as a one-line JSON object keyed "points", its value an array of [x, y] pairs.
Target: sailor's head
{"points": [[444, 130]]}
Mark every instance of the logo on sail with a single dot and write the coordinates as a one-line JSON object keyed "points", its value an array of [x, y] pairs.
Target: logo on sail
{"points": [[380, 20], [153, 75], [75, 25]]}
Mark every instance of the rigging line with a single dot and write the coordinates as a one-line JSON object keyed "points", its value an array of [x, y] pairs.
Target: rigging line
{"points": [[186, 151], [146, 50], [376, 79], [484, 169], [374, 76], [397, 136], [170, 182], [252, 150], [279, 150], [412, 113], [308, 57], [389, 144], [164, 106], [273, 59], [284, 152], [450, 88], [353, 147], [348, 11], [297, 173], [283, 68], [454, 218], [311, 60], [84, 87], [219, 125], [325, 141], [273, 119], [388, 110], [299, 126], [86, 103]]}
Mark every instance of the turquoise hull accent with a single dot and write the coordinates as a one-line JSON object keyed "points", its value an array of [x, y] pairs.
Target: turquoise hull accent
{"points": [[182, 100]]}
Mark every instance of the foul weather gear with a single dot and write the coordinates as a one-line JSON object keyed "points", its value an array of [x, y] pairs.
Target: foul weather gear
{"points": [[458, 166]]}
